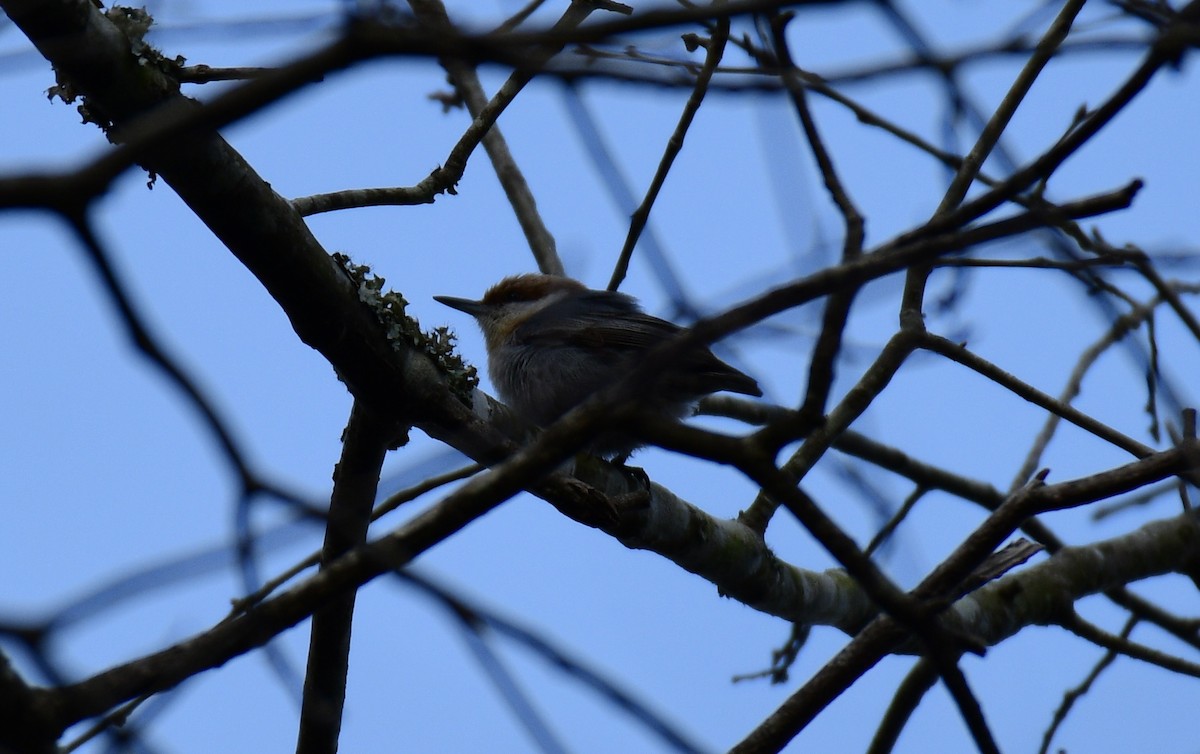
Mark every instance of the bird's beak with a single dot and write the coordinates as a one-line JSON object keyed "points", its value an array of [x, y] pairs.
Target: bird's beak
{"points": [[474, 308]]}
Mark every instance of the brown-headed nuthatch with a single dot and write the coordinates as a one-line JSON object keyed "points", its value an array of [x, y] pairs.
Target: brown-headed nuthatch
{"points": [[552, 343]]}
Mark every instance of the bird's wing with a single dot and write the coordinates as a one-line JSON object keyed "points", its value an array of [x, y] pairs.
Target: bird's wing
{"points": [[612, 322], [595, 319]]}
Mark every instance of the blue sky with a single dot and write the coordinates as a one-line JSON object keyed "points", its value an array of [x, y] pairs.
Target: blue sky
{"points": [[106, 469]]}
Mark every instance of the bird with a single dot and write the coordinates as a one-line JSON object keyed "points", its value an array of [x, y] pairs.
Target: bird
{"points": [[552, 343]]}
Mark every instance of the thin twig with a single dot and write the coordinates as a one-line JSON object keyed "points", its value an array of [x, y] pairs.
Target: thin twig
{"points": [[821, 368], [1073, 695], [1118, 330], [715, 48], [1123, 646], [1046, 48], [856, 401], [364, 445], [912, 690], [387, 506], [958, 353]]}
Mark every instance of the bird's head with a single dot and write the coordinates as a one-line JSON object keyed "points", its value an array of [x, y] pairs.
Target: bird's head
{"points": [[512, 301]]}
